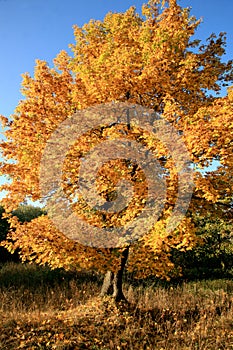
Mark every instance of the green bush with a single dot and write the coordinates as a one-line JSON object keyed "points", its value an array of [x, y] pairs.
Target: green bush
{"points": [[213, 256]]}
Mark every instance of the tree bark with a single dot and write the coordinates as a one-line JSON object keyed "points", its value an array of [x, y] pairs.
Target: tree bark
{"points": [[113, 281]]}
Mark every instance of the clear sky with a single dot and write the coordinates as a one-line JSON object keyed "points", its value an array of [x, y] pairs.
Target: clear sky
{"points": [[31, 29]]}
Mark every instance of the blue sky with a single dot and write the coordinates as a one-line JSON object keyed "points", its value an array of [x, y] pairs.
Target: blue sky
{"points": [[31, 29]]}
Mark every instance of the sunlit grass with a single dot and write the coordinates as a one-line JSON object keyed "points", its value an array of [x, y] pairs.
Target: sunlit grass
{"points": [[43, 309]]}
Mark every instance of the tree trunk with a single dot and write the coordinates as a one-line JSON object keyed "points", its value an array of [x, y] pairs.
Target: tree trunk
{"points": [[112, 284]]}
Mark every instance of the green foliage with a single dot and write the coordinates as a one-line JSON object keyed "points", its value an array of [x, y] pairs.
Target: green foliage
{"points": [[213, 255], [26, 213]]}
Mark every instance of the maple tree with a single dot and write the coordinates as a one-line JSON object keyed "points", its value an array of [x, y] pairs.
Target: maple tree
{"points": [[148, 60]]}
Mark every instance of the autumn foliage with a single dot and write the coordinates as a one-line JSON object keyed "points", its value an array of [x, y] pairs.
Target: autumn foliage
{"points": [[148, 60]]}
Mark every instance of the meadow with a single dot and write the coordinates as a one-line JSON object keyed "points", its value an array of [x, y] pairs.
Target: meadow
{"points": [[44, 309]]}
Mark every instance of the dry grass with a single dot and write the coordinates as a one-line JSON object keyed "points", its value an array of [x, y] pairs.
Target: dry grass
{"points": [[40, 309]]}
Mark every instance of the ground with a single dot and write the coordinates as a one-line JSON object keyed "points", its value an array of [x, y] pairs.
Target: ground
{"points": [[64, 312]]}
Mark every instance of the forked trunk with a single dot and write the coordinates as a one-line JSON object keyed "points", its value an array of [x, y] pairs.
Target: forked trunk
{"points": [[113, 281]]}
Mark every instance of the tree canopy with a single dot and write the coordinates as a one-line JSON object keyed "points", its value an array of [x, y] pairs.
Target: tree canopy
{"points": [[150, 60]]}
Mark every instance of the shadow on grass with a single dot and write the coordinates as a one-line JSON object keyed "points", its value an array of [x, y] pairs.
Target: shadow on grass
{"points": [[33, 276]]}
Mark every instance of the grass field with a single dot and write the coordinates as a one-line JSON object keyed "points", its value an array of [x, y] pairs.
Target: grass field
{"points": [[43, 309]]}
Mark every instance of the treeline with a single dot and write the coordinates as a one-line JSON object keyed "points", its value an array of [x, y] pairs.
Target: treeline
{"points": [[211, 258], [213, 255]]}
